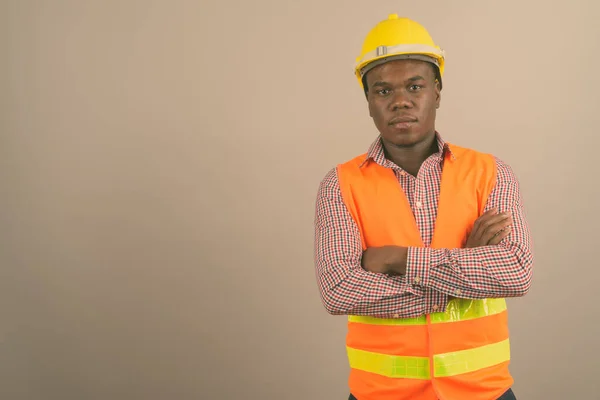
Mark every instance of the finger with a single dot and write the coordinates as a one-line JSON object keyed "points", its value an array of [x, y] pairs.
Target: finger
{"points": [[490, 217], [491, 211], [500, 236], [494, 219], [488, 222], [482, 218], [494, 229]]}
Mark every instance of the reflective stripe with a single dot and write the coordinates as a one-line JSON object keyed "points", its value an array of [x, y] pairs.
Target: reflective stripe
{"points": [[457, 310], [384, 321], [390, 366], [408, 48], [461, 362], [465, 309], [447, 364], [392, 57]]}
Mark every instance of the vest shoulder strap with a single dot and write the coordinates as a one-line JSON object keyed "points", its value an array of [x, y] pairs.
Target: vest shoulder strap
{"points": [[483, 163], [347, 173]]}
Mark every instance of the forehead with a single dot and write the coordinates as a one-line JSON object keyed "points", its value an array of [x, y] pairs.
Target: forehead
{"points": [[401, 70]]}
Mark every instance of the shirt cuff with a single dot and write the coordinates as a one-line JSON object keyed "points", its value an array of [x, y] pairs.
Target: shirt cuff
{"points": [[419, 262]]}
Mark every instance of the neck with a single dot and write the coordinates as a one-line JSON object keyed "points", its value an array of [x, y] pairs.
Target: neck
{"points": [[410, 158]]}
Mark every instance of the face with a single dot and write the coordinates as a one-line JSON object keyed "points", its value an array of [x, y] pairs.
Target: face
{"points": [[403, 98]]}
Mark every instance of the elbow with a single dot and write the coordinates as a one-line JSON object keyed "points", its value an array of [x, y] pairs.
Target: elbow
{"points": [[522, 287], [332, 308], [334, 311], [526, 285], [332, 303]]}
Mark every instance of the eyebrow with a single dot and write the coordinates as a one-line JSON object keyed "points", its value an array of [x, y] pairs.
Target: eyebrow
{"points": [[412, 79], [380, 83]]}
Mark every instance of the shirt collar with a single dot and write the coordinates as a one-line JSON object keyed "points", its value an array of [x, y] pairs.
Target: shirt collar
{"points": [[377, 154]]}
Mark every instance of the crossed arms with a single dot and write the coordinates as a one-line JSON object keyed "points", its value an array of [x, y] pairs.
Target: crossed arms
{"points": [[400, 282]]}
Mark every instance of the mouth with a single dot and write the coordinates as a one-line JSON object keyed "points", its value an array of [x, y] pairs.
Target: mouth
{"points": [[402, 120], [403, 123]]}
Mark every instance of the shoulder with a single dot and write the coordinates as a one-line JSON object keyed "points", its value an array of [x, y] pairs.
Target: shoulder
{"points": [[505, 171], [502, 168], [331, 179], [461, 152]]}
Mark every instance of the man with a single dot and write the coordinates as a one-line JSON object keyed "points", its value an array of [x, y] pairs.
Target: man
{"points": [[419, 241]]}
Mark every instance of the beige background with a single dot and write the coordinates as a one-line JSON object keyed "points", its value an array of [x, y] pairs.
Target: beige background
{"points": [[159, 166]]}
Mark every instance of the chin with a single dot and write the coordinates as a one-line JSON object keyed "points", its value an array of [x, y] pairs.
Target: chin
{"points": [[403, 138]]}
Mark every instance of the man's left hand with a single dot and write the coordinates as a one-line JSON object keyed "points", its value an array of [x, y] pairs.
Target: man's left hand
{"points": [[390, 260]]}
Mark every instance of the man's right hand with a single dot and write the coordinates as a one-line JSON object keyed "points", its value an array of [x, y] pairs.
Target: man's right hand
{"points": [[489, 229]]}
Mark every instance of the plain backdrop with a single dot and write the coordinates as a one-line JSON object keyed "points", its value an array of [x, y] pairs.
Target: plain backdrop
{"points": [[159, 162]]}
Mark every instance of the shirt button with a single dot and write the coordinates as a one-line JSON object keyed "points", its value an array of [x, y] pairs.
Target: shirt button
{"points": [[403, 173], [417, 279], [435, 307], [396, 315], [457, 292], [419, 204]]}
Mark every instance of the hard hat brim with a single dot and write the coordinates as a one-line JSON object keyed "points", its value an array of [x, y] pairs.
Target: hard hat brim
{"points": [[383, 60], [383, 54]]}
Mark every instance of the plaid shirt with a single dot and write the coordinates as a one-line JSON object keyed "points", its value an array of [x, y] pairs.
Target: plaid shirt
{"points": [[432, 275]]}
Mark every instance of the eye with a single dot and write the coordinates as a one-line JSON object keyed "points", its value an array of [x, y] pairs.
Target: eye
{"points": [[415, 88], [384, 92]]}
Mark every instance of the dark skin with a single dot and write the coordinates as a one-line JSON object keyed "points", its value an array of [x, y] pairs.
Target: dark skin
{"points": [[403, 98], [489, 230]]}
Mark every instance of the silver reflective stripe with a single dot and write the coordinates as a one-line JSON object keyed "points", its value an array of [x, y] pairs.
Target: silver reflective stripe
{"points": [[413, 51], [381, 51], [375, 63]]}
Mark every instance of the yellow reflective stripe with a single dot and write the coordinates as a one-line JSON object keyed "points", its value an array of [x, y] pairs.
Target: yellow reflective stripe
{"points": [[461, 362], [390, 366], [446, 364], [385, 321], [457, 310], [465, 309]]}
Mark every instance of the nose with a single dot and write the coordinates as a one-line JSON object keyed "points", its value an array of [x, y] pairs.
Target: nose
{"points": [[400, 100]]}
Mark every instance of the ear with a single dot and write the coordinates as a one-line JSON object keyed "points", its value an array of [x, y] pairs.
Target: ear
{"points": [[438, 94]]}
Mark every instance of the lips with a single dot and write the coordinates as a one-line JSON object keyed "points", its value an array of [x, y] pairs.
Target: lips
{"points": [[403, 119]]}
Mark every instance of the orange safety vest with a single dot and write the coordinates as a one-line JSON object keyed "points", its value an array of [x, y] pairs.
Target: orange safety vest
{"points": [[460, 354]]}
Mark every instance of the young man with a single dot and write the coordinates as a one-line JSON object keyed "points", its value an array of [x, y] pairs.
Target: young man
{"points": [[419, 241]]}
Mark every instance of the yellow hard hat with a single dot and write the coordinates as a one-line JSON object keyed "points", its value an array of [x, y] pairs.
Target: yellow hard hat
{"points": [[397, 38]]}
